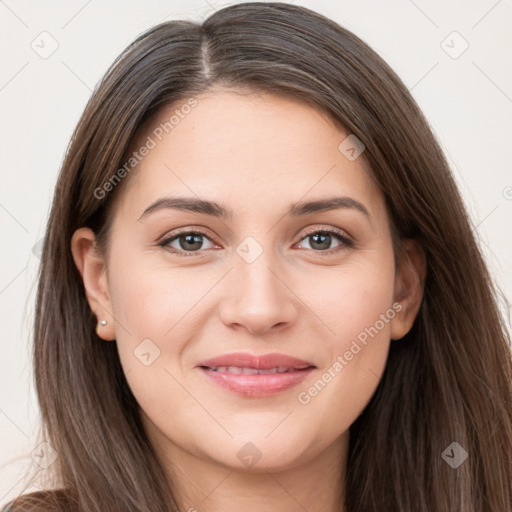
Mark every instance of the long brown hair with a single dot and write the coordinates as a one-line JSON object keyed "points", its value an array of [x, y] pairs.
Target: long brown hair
{"points": [[448, 381]]}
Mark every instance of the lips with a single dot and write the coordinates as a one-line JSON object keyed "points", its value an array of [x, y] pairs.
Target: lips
{"points": [[237, 370], [280, 362], [256, 376]]}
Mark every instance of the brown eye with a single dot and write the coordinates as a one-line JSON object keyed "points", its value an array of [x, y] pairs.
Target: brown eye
{"points": [[322, 240], [186, 242]]}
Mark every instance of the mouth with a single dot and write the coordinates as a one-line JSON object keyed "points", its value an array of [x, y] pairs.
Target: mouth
{"points": [[256, 376], [238, 370]]}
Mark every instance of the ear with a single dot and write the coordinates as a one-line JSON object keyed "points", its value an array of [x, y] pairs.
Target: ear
{"points": [[93, 269], [409, 286]]}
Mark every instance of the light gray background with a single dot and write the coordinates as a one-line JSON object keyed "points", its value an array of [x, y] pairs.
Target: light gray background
{"points": [[467, 99]]}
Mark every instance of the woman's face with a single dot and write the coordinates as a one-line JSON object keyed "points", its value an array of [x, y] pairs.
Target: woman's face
{"points": [[270, 277]]}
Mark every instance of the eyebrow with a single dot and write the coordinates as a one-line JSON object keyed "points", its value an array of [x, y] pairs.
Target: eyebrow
{"points": [[214, 209]]}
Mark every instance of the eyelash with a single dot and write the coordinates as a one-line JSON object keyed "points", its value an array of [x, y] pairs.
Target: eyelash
{"points": [[345, 241]]}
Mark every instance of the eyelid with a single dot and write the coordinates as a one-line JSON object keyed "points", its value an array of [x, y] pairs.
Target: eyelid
{"points": [[316, 229], [344, 238], [173, 235]]}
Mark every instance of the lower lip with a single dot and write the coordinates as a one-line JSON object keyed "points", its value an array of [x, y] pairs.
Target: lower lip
{"points": [[257, 385]]}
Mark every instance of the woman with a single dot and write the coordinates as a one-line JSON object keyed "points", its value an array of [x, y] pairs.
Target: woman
{"points": [[260, 289]]}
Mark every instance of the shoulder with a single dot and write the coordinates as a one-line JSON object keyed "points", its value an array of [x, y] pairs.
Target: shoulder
{"points": [[42, 501]]}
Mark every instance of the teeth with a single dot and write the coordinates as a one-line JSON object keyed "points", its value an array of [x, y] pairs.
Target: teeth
{"points": [[251, 371], [243, 371]]}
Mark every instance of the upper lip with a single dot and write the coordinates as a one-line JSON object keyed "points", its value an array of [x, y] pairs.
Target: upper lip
{"points": [[263, 362]]}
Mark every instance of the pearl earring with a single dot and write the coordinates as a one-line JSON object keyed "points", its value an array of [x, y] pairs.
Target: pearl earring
{"points": [[103, 323]]}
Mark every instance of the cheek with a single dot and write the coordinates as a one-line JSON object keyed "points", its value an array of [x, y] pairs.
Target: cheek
{"points": [[358, 314], [150, 308], [351, 297], [156, 309], [365, 295]]}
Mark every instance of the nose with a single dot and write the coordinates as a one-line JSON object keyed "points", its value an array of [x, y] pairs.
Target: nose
{"points": [[257, 297]]}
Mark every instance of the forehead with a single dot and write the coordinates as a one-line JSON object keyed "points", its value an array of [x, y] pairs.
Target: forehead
{"points": [[248, 150]]}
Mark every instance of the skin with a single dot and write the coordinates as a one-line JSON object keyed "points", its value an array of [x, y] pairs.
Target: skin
{"points": [[256, 154]]}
